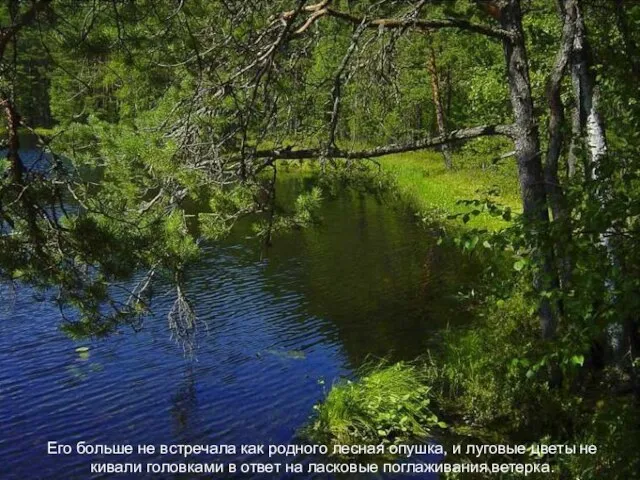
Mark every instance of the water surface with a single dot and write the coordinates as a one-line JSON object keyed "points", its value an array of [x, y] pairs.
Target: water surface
{"points": [[278, 326]]}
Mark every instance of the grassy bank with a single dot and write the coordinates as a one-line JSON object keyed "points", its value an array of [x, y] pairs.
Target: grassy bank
{"points": [[424, 183]]}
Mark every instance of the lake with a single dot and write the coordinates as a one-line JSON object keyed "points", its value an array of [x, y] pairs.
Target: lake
{"points": [[277, 327]]}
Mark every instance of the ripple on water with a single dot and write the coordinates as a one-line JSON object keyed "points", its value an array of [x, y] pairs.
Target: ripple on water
{"points": [[272, 325]]}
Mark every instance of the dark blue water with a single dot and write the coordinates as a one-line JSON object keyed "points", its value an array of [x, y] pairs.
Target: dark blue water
{"points": [[274, 326]]}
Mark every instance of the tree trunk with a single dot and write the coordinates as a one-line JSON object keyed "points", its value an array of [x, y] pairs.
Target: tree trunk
{"points": [[557, 200], [556, 113], [449, 91], [576, 138], [528, 155], [439, 108], [621, 336], [588, 95]]}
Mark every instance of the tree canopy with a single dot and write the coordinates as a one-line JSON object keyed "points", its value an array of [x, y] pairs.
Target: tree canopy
{"points": [[159, 124]]}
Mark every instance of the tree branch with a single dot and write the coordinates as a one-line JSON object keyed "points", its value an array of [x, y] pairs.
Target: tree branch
{"points": [[422, 144], [323, 9]]}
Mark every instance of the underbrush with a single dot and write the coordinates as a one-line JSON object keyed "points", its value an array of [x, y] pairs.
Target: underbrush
{"points": [[493, 374], [499, 377]]}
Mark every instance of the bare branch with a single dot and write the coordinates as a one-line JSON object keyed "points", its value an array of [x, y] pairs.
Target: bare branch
{"points": [[322, 9], [422, 144]]}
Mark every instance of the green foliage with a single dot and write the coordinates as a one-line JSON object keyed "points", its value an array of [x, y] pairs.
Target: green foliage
{"points": [[306, 207], [499, 383], [493, 374], [363, 178], [139, 101], [612, 426], [226, 206], [388, 404], [181, 247]]}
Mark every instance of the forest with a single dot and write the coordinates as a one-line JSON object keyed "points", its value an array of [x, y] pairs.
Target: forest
{"points": [[140, 136]]}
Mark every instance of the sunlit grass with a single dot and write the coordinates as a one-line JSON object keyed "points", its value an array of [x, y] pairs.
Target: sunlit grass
{"points": [[424, 182], [426, 185]]}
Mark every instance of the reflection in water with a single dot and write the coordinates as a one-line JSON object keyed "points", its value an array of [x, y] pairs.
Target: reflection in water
{"points": [[314, 306], [184, 403], [378, 278]]}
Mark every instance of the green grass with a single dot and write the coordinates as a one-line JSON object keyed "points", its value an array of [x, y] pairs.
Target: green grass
{"points": [[389, 404], [425, 183]]}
